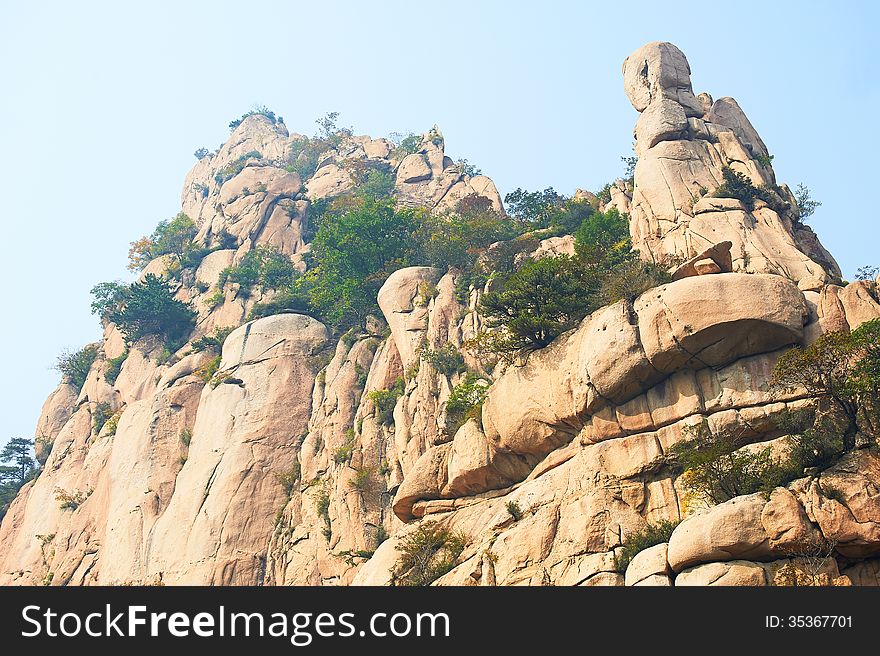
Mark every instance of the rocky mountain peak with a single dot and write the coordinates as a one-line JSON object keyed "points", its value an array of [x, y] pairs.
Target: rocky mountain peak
{"points": [[278, 447]]}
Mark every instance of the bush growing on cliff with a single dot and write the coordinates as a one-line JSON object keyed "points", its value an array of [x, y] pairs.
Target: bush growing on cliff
{"points": [[145, 308], [455, 239], [385, 400], [75, 365], [651, 535], [533, 210], [806, 206], [236, 166], [447, 360], [739, 186], [844, 369], [426, 554], [113, 366], [352, 255], [405, 144], [717, 467], [174, 237], [17, 468], [867, 272], [212, 342], [465, 401], [537, 303], [263, 266], [544, 298]]}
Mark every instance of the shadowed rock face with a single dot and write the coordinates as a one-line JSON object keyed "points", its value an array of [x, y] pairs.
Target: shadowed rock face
{"points": [[282, 468]]}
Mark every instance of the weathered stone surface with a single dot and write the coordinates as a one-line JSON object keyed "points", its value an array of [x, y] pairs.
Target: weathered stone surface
{"points": [[658, 71], [860, 302], [844, 501], [703, 321], [683, 144], [716, 259], [737, 572], [403, 303], [241, 439], [647, 564], [729, 531]]}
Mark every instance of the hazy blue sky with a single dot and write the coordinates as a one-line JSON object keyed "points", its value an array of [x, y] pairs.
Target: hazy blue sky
{"points": [[102, 105]]}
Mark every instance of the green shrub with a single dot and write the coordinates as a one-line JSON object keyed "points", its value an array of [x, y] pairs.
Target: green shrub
{"points": [[408, 144], [372, 180], [542, 299], [385, 400], [212, 342], [304, 156], [651, 535], [288, 299], [533, 210], [716, 468], [426, 554], [867, 272], [455, 239], [842, 369], [537, 303], [630, 167], [629, 280], [465, 168], [113, 366], [147, 308], [261, 266], [739, 186], [764, 160], [207, 372], [102, 412], [352, 255], [805, 203], [235, 167], [322, 506], [174, 237], [75, 365], [289, 479], [19, 467], [514, 510], [343, 453], [447, 360], [68, 501], [465, 401], [602, 241], [216, 299], [186, 437], [363, 480], [112, 423]]}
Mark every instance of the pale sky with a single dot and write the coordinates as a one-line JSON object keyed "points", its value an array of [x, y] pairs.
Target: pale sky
{"points": [[103, 104]]}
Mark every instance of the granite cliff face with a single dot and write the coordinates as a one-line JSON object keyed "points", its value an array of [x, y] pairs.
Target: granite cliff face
{"points": [[290, 473]]}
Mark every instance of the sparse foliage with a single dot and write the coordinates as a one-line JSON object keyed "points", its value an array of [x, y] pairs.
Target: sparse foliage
{"points": [[75, 365], [651, 535], [385, 400], [426, 554], [805, 204]]}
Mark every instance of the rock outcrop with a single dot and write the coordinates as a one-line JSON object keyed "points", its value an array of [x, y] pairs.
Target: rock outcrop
{"points": [[301, 456], [683, 143]]}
